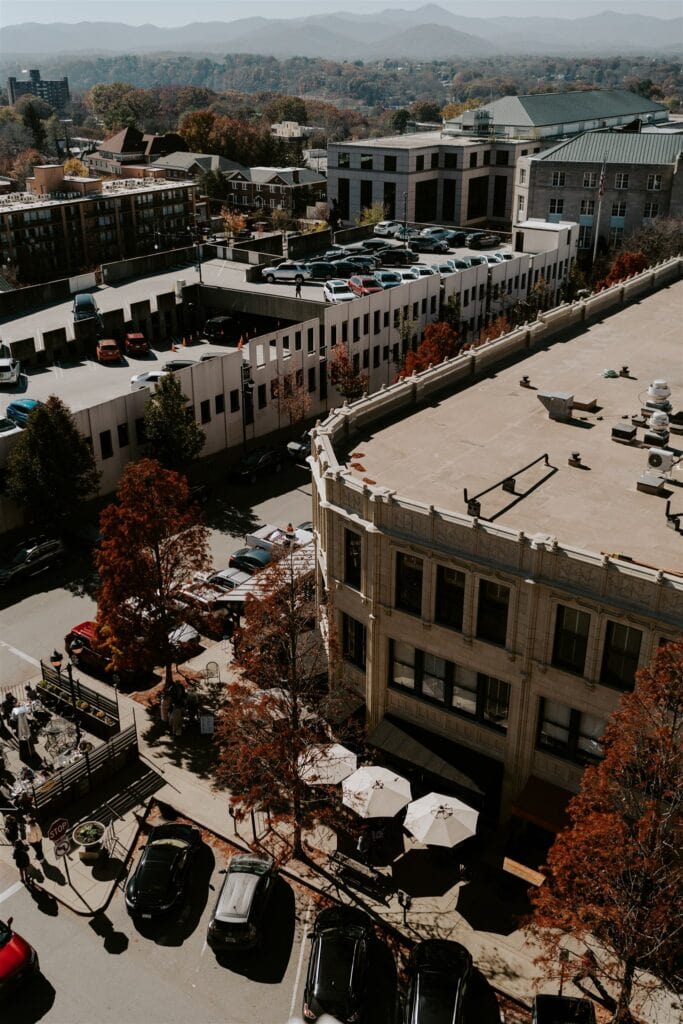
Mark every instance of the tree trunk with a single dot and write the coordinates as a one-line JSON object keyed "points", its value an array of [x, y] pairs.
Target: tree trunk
{"points": [[622, 1014], [168, 672]]}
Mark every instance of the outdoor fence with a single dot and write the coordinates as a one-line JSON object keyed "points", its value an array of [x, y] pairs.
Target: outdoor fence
{"points": [[96, 713]]}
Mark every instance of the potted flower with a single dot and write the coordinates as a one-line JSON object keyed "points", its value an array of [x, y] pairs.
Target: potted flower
{"points": [[88, 838]]}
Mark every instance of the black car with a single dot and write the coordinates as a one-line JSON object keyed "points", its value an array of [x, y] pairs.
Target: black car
{"points": [[455, 238], [426, 244], [345, 268], [219, 328], [562, 1010], [158, 882], [31, 557], [337, 970], [438, 977], [396, 257], [483, 241], [373, 245], [249, 560], [258, 462], [322, 270]]}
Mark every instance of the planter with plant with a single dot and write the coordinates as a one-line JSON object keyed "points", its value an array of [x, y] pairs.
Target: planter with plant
{"points": [[88, 838]]}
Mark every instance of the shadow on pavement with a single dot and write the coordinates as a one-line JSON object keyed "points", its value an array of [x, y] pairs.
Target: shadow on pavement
{"points": [[44, 902], [495, 903], [114, 942], [52, 872], [420, 873], [37, 999], [267, 963], [175, 930], [107, 870]]}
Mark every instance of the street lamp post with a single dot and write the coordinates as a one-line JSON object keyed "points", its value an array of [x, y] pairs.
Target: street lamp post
{"points": [[405, 220]]}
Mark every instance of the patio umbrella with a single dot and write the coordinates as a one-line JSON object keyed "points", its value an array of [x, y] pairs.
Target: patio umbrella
{"points": [[374, 792], [439, 820], [326, 765]]}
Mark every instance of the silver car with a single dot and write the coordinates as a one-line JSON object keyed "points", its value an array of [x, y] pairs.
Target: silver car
{"points": [[148, 379], [10, 370], [237, 919], [297, 272]]}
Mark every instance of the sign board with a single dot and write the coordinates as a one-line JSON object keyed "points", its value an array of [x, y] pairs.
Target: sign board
{"points": [[206, 723], [57, 829], [62, 847]]}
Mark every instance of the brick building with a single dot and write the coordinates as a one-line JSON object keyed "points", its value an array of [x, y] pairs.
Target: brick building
{"points": [[131, 146]]}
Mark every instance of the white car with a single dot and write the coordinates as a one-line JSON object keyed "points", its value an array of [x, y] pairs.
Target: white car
{"points": [[337, 290], [384, 228], [10, 370], [148, 379], [420, 270], [408, 273], [297, 272]]}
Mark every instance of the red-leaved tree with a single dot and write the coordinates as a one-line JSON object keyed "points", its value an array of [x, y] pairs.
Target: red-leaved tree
{"points": [[439, 342], [615, 876], [623, 266], [152, 543], [349, 382]]}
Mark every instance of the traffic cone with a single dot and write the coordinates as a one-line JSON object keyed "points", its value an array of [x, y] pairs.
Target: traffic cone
{"points": [[184, 343]]}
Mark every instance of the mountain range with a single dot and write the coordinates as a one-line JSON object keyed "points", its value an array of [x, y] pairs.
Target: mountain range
{"points": [[426, 33]]}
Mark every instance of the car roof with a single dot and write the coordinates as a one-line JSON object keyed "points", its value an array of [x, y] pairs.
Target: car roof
{"points": [[24, 403]]}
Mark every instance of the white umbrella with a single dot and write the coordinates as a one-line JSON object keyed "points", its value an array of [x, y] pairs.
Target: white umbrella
{"points": [[374, 792], [439, 820], [326, 765]]}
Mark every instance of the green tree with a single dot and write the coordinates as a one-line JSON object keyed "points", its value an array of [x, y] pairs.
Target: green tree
{"points": [[34, 125], [51, 468], [372, 214], [173, 436], [399, 121]]}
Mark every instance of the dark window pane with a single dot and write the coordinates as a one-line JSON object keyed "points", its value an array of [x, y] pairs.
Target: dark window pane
{"points": [[219, 404], [122, 431], [620, 655], [450, 597], [352, 558], [353, 641], [205, 410], [106, 445], [409, 583], [492, 612], [571, 639]]}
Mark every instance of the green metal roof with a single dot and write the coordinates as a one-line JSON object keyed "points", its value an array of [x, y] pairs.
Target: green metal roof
{"points": [[567, 107], [616, 148]]}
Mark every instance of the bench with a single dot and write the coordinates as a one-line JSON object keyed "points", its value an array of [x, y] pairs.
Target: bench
{"points": [[362, 877]]}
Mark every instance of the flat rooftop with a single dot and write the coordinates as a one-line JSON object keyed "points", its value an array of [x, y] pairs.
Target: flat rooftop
{"points": [[417, 140], [12, 202], [478, 436]]}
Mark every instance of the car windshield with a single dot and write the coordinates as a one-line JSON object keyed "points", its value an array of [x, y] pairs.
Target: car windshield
{"points": [[158, 866], [341, 288], [251, 865], [20, 556], [435, 997]]}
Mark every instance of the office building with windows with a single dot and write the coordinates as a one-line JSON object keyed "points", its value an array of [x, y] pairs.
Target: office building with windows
{"points": [[55, 92], [642, 181], [495, 576]]}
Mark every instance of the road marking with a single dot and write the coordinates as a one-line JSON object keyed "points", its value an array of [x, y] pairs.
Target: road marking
{"points": [[11, 891], [300, 964], [20, 654]]}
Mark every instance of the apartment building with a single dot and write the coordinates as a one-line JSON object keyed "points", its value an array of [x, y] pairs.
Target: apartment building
{"points": [[494, 589], [66, 225], [55, 92], [642, 181]]}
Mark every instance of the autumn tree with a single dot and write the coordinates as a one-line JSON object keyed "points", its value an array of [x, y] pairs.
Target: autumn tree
{"points": [[659, 240], [152, 543], [624, 265], [499, 325], [344, 376], [51, 468], [172, 435], [75, 167], [280, 707], [22, 167], [439, 342], [291, 397], [615, 876], [233, 221], [372, 214]]}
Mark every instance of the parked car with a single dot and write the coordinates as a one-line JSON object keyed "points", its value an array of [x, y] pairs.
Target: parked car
{"points": [[383, 228], [250, 560], [135, 344], [108, 351], [408, 274], [229, 579], [93, 656], [297, 272], [456, 238], [478, 261], [363, 285], [321, 270], [482, 241], [157, 885], [461, 263], [147, 379], [256, 463], [444, 269], [336, 982], [219, 329], [365, 264], [562, 1010], [337, 290], [505, 255], [237, 920], [300, 450], [426, 243], [492, 259], [32, 556], [372, 245], [178, 364], [8, 426], [20, 409], [344, 269], [10, 370], [84, 307], [434, 231], [18, 959], [420, 270], [438, 976], [398, 257], [387, 278], [405, 234]]}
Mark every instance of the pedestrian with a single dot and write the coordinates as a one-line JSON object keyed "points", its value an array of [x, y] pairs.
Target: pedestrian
{"points": [[34, 837], [297, 293], [11, 828], [165, 707], [175, 719], [22, 861]]}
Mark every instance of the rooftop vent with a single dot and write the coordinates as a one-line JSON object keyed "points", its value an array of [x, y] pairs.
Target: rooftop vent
{"points": [[658, 395], [558, 403]]}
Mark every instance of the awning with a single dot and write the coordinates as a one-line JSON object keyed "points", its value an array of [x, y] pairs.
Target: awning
{"points": [[396, 741], [543, 804]]}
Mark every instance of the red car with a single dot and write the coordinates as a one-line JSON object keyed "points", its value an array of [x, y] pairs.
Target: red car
{"points": [[108, 351], [91, 656], [18, 960], [135, 345], [363, 285]]}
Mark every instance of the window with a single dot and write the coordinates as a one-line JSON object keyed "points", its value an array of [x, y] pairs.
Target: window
{"points": [[353, 543], [590, 179], [487, 158], [434, 161], [522, 175], [205, 410], [478, 696], [366, 323], [585, 236], [450, 161], [556, 206], [366, 358], [366, 161], [619, 208], [234, 400], [621, 180], [353, 641], [450, 597], [502, 158], [434, 671], [571, 639], [140, 430], [219, 404], [297, 340], [311, 378], [343, 160], [654, 182], [650, 210], [615, 237], [473, 159], [409, 583], [402, 663], [420, 163], [375, 357], [122, 431], [620, 655], [390, 163], [587, 207], [106, 447], [262, 396], [570, 734], [558, 179], [521, 202], [310, 339], [375, 322], [492, 612]]}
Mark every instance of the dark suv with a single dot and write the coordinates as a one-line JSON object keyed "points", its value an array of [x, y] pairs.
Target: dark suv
{"points": [[439, 973], [219, 328], [338, 969], [31, 557]]}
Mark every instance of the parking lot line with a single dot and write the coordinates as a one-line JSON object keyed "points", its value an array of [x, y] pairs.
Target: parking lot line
{"points": [[300, 964], [20, 654], [11, 891]]}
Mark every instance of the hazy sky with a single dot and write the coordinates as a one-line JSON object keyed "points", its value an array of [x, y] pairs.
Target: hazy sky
{"points": [[180, 12]]}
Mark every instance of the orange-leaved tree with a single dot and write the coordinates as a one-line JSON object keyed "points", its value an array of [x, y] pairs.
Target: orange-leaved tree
{"points": [[439, 342], [152, 543], [615, 875], [623, 266], [349, 381], [291, 397]]}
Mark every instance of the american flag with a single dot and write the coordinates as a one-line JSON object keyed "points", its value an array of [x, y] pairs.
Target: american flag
{"points": [[601, 183]]}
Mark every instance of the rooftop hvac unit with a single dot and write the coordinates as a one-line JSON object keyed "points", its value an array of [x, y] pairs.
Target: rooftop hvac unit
{"points": [[659, 422], [658, 394], [660, 460]]}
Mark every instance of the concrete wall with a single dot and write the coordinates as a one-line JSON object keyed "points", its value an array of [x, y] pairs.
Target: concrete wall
{"points": [[23, 300], [150, 264], [300, 247]]}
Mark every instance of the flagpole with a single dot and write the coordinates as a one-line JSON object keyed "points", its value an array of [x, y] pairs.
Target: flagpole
{"points": [[601, 192]]}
